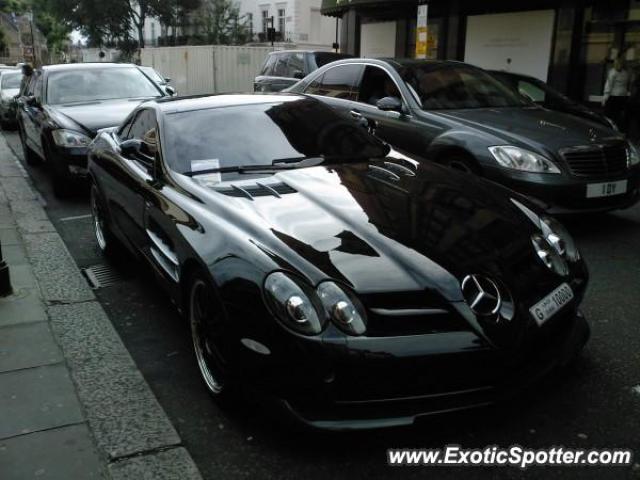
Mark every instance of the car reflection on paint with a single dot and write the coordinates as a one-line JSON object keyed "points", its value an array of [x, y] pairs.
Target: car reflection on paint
{"points": [[316, 266]]}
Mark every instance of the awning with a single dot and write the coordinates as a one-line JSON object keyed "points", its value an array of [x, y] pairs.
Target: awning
{"points": [[335, 8]]}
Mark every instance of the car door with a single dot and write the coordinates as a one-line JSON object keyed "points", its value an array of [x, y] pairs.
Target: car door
{"points": [[130, 179], [32, 113], [398, 128]]}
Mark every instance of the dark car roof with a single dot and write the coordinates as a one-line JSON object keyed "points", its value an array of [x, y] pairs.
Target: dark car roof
{"points": [[306, 51], [83, 66], [198, 102], [514, 75]]}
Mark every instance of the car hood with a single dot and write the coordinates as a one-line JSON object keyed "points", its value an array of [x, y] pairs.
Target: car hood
{"points": [[527, 125], [377, 230], [93, 116]]}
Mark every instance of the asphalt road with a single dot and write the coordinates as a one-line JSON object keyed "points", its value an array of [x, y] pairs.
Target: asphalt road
{"points": [[593, 406]]}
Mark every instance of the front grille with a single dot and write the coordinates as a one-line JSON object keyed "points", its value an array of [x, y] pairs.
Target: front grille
{"points": [[596, 160]]}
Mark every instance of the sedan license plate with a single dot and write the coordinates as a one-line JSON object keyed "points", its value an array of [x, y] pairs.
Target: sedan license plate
{"points": [[606, 189], [549, 305]]}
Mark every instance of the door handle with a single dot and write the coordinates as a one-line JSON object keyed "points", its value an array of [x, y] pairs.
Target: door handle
{"points": [[355, 114]]}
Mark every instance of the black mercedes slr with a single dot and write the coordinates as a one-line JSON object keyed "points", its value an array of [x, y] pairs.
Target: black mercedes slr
{"points": [[317, 266]]}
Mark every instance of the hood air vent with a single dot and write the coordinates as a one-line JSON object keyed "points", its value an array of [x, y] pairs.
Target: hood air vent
{"points": [[256, 190]]}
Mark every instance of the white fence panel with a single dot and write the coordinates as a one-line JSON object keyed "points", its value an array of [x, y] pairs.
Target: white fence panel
{"points": [[208, 68]]}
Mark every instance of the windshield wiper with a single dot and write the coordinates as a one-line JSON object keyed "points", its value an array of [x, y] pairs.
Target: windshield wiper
{"points": [[240, 169]]}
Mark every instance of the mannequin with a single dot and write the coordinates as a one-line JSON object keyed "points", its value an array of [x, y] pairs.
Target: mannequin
{"points": [[616, 94]]}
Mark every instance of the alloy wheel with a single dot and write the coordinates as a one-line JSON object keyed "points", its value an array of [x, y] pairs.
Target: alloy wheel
{"points": [[98, 220], [201, 316]]}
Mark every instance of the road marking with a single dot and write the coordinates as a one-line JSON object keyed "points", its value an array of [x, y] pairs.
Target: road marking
{"points": [[77, 217]]}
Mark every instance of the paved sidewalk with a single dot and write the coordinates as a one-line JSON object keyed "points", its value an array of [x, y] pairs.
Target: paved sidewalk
{"points": [[73, 405]]}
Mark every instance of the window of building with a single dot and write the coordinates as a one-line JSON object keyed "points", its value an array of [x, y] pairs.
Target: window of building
{"points": [[265, 19], [250, 22], [281, 21]]}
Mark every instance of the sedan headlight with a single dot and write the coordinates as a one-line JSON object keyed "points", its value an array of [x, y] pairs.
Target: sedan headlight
{"points": [[633, 155], [559, 238], [291, 303], [346, 312], [520, 159], [549, 256], [70, 138]]}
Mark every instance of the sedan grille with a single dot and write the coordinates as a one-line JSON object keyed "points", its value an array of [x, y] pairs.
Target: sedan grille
{"points": [[596, 160]]}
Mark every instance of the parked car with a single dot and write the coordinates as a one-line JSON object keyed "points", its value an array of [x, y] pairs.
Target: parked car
{"points": [[65, 105], [273, 244], [542, 94], [160, 80], [284, 68], [9, 88], [459, 115]]}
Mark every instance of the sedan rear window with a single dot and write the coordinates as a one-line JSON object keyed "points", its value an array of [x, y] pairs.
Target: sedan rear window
{"points": [[11, 80], [258, 134], [95, 84]]}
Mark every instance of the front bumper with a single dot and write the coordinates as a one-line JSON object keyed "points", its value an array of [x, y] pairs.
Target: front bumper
{"points": [[566, 194], [563, 342], [75, 159]]}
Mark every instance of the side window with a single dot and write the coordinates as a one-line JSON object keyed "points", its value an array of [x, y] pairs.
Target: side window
{"points": [[314, 86], [143, 123], [339, 82], [376, 84], [531, 91], [267, 68], [281, 69], [296, 65]]}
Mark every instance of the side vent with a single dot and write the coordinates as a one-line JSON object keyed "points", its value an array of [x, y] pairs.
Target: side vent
{"points": [[256, 190]]}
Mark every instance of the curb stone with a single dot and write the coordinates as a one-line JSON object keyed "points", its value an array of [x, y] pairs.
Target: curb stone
{"points": [[133, 434]]}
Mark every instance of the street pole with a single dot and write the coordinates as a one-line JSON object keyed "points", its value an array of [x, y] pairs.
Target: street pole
{"points": [[5, 280], [33, 39]]}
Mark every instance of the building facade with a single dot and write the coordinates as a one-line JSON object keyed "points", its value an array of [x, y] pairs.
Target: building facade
{"points": [[297, 21], [571, 44]]}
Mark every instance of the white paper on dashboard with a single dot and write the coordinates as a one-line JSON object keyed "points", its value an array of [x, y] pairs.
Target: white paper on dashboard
{"points": [[206, 179]]}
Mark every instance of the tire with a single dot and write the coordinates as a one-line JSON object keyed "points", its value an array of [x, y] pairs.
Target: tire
{"points": [[462, 163], [205, 323], [29, 155], [108, 244]]}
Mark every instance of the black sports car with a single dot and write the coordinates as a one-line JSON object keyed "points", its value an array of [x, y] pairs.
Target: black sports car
{"points": [[358, 287], [64, 106]]}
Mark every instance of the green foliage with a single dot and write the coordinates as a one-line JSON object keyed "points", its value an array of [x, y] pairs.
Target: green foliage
{"points": [[222, 23]]}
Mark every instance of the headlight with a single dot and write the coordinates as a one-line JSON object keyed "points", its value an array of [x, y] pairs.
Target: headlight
{"points": [[520, 159], [633, 155], [291, 303], [559, 238], [549, 256], [346, 312], [70, 138]]}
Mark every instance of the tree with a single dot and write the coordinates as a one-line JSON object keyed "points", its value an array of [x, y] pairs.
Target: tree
{"points": [[222, 23]]}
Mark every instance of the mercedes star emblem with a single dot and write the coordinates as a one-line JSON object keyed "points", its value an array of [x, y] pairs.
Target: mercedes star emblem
{"points": [[481, 294]]}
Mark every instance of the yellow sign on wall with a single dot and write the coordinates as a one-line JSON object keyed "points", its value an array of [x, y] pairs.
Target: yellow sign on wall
{"points": [[421, 32]]}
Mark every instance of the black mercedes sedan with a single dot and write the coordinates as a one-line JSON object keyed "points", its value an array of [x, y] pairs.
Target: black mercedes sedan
{"points": [[544, 95], [356, 286], [461, 116], [64, 106]]}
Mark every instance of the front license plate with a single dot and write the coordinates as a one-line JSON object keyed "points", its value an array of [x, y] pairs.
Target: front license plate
{"points": [[549, 305], [606, 189]]}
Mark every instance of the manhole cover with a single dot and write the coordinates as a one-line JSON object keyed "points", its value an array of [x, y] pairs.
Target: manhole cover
{"points": [[102, 275]]}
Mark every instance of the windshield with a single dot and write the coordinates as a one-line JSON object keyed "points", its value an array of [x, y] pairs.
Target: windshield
{"points": [[440, 86], [11, 80], [94, 84], [258, 134]]}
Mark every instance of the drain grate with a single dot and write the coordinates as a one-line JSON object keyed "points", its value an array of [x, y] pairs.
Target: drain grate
{"points": [[102, 275]]}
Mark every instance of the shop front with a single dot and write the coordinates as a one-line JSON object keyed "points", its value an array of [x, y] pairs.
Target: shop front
{"points": [[571, 44]]}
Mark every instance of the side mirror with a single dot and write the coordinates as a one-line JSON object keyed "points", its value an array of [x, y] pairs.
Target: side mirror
{"points": [[130, 147], [299, 75], [170, 90], [390, 104]]}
